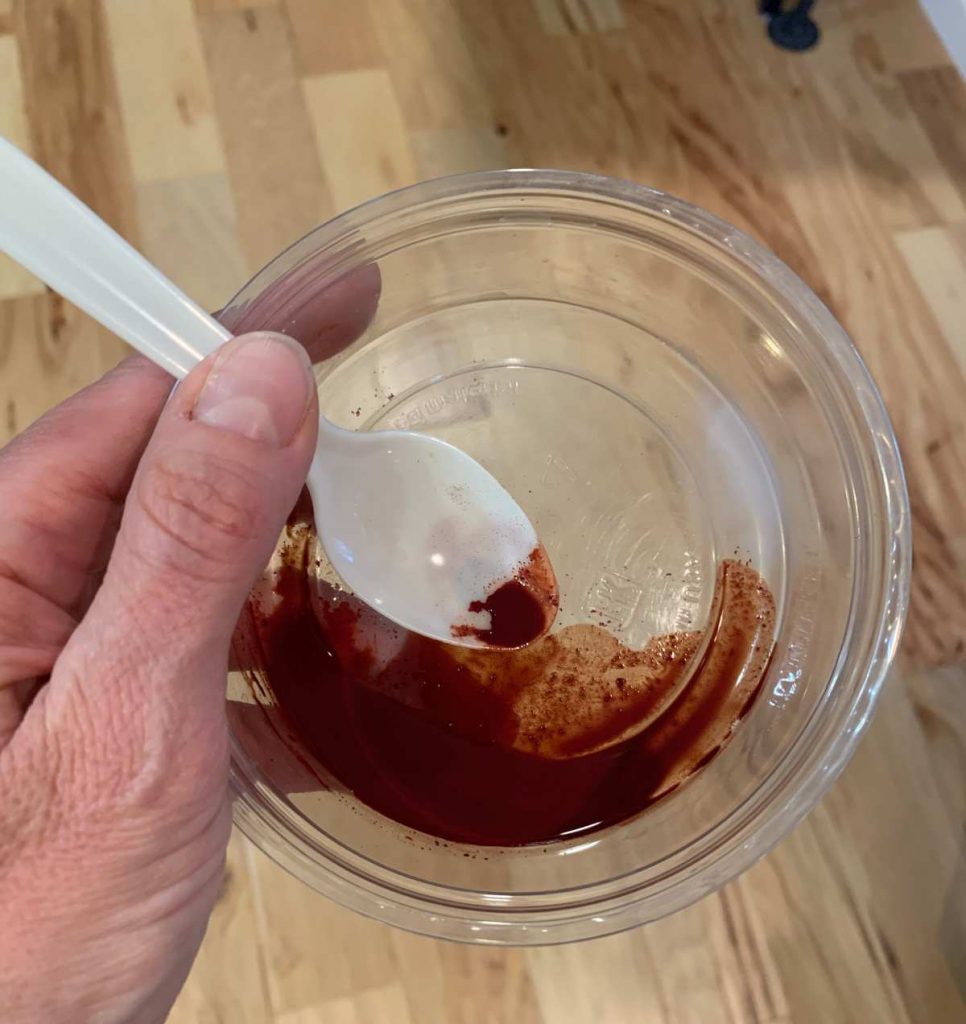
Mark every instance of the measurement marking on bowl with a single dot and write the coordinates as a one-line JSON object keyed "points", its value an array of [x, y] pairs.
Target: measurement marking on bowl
{"points": [[692, 588], [792, 665], [430, 407], [613, 598]]}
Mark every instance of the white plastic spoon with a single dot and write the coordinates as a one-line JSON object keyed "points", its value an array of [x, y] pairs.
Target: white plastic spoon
{"points": [[415, 527]]}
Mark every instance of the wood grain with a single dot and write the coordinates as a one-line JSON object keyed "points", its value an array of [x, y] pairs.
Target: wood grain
{"points": [[448, 89], [213, 132], [229, 6], [14, 279], [936, 258], [625, 975], [907, 40], [75, 131], [566, 17], [835, 197], [188, 229], [265, 124], [938, 98], [456, 150], [232, 950], [371, 1007], [303, 969], [334, 36], [450, 984], [359, 164], [73, 105], [165, 98]]}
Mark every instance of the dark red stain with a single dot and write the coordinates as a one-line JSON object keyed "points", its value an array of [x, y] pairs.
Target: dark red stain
{"points": [[517, 616], [520, 610], [434, 739]]}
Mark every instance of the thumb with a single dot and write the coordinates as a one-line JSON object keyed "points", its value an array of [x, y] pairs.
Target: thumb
{"points": [[209, 498]]}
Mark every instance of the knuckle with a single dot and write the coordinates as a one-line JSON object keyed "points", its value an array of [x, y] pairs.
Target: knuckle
{"points": [[204, 508]]}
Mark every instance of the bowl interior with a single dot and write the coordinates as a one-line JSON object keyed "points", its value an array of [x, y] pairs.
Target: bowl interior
{"points": [[659, 395]]}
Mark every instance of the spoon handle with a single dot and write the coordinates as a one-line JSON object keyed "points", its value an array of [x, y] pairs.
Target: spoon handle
{"points": [[53, 234]]}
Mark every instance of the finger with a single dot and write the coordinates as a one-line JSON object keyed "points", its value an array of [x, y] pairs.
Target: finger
{"points": [[64, 479], [326, 314], [33, 631], [145, 670]]}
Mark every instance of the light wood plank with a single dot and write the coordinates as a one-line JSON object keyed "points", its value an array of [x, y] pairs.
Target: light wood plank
{"points": [[569, 17], [856, 13], [696, 968], [456, 150], [360, 135], [842, 919], [331, 35], [879, 806], [48, 350], [14, 280], [227, 982], [938, 700], [435, 57], [374, 1006], [936, 257], [599, 982], [77, 135], [455, 984], [868, 286], [831, 969], [316, 952], [188, 230], [274, 168], [750, 973], [938, 98], [164, 91], [230, 6], [884, 137], [74, 108], [907, 40]]}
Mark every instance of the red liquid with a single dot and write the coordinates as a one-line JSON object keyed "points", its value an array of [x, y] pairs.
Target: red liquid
{"points": [[511, 747]]}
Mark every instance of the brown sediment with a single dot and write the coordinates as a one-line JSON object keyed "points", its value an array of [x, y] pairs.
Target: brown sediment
{"points": [[507, 747]]}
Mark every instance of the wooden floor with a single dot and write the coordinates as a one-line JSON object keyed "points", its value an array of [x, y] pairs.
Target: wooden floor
{"points": [[213, 133]]}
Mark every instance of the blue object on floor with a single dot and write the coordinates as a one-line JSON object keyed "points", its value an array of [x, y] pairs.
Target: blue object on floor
{"points": [[791, 29]]}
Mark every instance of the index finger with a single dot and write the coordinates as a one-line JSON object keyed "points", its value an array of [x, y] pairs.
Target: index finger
{"points": [[64, 479], [325, 313]]}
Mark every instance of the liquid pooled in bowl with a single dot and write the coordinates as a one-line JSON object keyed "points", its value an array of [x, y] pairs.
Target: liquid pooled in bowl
{"points": [[503, 747]]}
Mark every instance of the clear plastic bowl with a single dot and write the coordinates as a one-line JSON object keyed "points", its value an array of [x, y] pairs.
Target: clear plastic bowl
{"points": [[660, 392]]}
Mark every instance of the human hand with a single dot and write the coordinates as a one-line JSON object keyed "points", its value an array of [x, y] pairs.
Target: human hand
{"points": [[114, 636]]}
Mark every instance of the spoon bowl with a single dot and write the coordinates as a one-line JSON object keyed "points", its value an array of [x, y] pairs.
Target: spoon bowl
{"points": [[420, 531]]}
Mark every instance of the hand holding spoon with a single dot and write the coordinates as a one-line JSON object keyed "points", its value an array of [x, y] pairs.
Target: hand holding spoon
{"points": [[414, 526]]}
